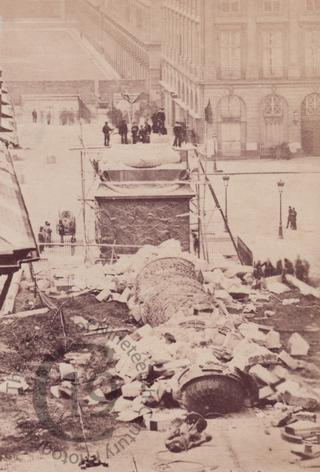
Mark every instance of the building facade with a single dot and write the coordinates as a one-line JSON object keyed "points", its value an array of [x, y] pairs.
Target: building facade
{"points": [[258, 64], [127, 33]]}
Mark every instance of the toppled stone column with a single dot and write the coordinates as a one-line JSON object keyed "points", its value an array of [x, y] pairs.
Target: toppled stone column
{"points": [[168, 285]]}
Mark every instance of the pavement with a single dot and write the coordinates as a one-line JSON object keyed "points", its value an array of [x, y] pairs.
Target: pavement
{"points": [[253, 206], [240, 443]]}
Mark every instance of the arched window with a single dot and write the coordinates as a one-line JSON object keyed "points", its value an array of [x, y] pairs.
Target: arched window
{"points": [[311, 105], [273, 108]]}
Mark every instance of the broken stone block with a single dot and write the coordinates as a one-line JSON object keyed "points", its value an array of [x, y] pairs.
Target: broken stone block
{"points": [[104, 294], [281, 419], [298, 346], [269, 313], [80, 358], [290, 301], [265, 392], [252, 331], [262, 374], [303, 428], [95, 397], [288, 360], [272, 340], [274, 285], [293, 394], [247, 354], [67, 371], [132, 389], [250, 308], [14, 385], [66, 389], [55, 391]]}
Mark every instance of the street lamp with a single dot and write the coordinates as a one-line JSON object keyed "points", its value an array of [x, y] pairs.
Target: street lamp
{"points": [[226, 179], [280, 187]]}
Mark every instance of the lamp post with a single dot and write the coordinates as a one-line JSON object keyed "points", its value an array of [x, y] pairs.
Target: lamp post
{"points": [[280, 187], [226, 179]]}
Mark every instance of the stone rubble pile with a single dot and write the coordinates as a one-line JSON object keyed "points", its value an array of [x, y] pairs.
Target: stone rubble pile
{"points": [[196, 349]]}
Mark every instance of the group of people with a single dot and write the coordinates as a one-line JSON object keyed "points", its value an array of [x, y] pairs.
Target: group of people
{"points": [[266, 269], [44, 236], [139, 134], [292, 218], [66, 117], [159, 122]]}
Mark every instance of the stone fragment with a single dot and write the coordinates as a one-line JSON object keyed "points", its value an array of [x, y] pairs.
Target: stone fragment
{"points": [[265, 392], [67, 371], [269, 313], [264, 375], [272, 340], [104, 294], [247, 354], [55, 391], [132, 389], [14, 385], [288, 360], [298, 346], [290, 301], [292, 393]]}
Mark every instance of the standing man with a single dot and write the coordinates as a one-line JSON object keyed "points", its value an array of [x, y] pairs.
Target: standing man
{"points": [[135, 133], [34, 116], [61, 231], [123, 131], [294, 219], [106, 133], [289, 220], [48, 232], [41, 239], [177, 131]]}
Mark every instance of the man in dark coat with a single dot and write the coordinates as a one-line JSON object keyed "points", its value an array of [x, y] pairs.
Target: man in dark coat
{"points": [[135, 133], [41, 239], [289, 220], [294, 219], [177, 131], [61, 231], [123, 131], [106, 132], [161, 115], [34, 116], [142, 134]]}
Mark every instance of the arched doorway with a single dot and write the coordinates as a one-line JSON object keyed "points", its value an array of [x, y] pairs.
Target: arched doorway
{"points": [[231, 113], [274, 120], [310, 124]]}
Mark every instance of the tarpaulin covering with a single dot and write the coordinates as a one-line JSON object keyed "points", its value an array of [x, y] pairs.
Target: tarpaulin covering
{"points": [[17, 242]]}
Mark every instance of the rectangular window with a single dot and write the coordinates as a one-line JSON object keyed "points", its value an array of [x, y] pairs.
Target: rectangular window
{"points": [[312, 53], [313, 5], [271, 6], [230, 54], [229, 6], [272, 54]]}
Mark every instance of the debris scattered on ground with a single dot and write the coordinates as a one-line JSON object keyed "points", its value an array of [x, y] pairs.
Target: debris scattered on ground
{"points": [[171, 337]]}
